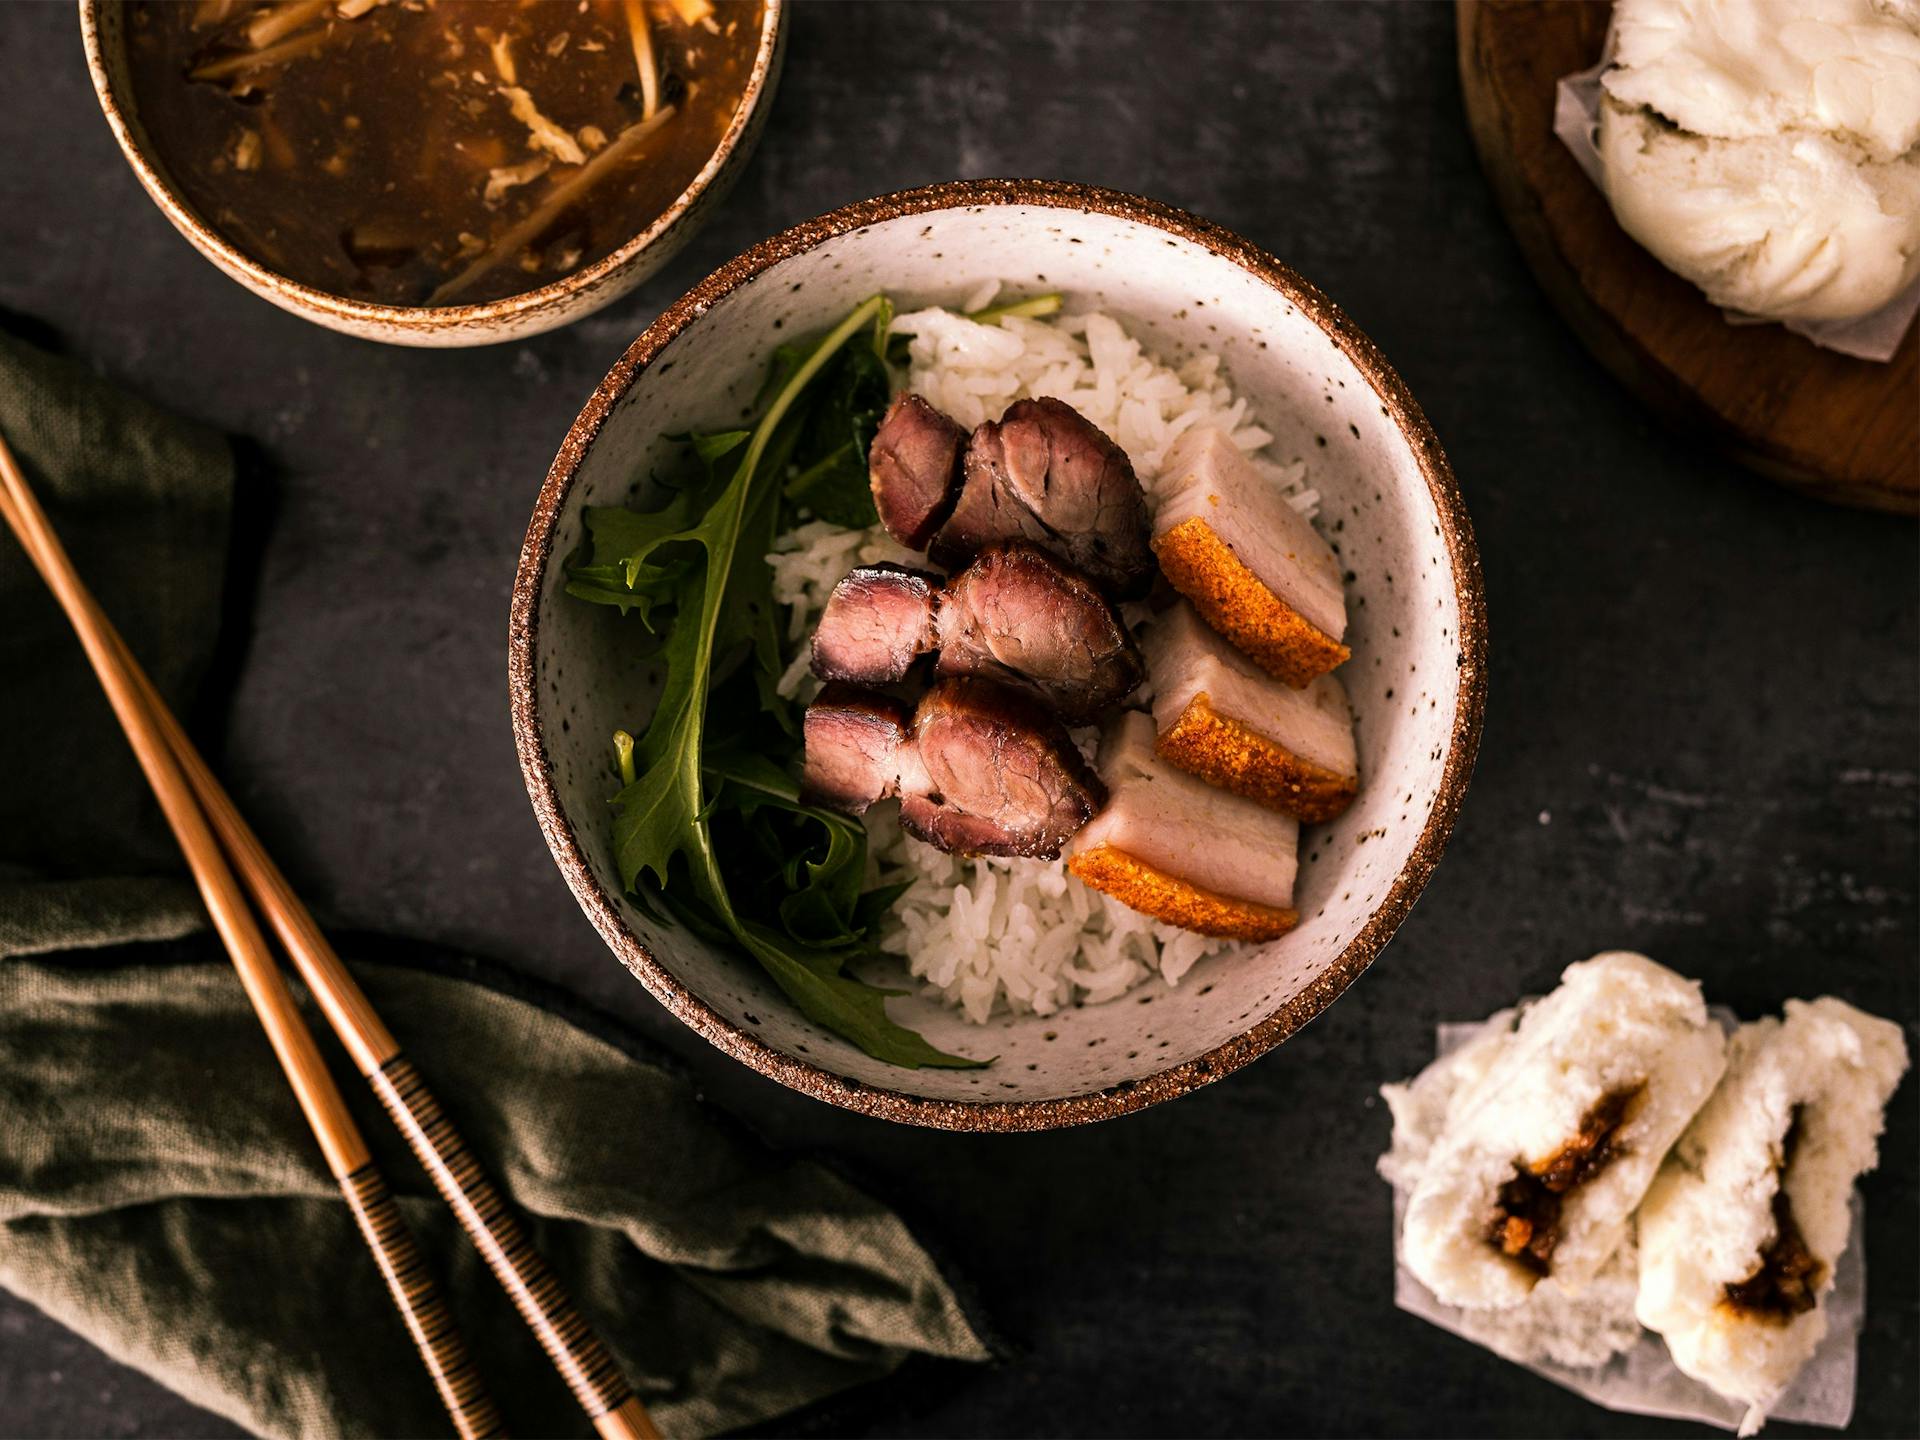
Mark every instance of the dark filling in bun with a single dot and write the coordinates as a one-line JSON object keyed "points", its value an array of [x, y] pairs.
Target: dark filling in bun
{"points": [[1526, 1221], [1788, 1280]]}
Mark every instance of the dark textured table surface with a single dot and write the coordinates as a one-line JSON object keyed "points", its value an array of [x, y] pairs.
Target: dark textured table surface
{"points": [[1700, 742]]}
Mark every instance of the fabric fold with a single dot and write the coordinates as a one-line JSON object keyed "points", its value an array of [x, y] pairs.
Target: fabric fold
{"points": [[160, 1194]]}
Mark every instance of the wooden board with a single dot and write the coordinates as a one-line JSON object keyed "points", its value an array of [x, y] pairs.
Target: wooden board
{"points": [[1845, 430]]}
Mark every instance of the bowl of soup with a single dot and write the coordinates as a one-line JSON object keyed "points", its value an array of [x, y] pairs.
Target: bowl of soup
{"points": [[436, 172]]}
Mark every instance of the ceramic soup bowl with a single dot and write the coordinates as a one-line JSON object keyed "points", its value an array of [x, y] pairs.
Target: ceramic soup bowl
{"points": [[512, 317], [1417, 629]]}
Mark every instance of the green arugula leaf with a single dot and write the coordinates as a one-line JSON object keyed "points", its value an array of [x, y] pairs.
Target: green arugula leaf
{"points": [[751, 770], [845, 1005], [824, 885], [632, 565], [718, 444], [701, 554], [607, 585], [820, 856], [749, 618], [627, 539], [872, 907], [1032, 308], [831, 453]]}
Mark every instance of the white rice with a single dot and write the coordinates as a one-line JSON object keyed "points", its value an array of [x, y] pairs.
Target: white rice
{"points": [[1023, 935]]}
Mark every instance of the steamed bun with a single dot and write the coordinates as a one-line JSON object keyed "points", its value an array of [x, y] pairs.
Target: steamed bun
{"points": [[1618, 1026], [1769, 150], [1752, 68], [1796, 1119]]}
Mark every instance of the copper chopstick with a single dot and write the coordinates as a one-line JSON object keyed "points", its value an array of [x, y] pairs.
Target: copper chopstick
{"points": [[165, 751], [347, 1157]]}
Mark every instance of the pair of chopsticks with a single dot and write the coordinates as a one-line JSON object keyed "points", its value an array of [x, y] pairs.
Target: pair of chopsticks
{"points": [[217, 844]]}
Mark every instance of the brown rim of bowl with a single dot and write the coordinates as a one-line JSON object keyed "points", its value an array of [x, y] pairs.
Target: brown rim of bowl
{"points": [[420, 317], [1002, 1115]]}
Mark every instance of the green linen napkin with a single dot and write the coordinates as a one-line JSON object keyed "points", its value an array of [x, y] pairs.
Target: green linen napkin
{"points": [[142, 502], [159, 1192]]}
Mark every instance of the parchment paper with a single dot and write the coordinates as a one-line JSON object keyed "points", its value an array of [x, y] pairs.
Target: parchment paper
{"points": [[1873, 336], [1644, 1380]]}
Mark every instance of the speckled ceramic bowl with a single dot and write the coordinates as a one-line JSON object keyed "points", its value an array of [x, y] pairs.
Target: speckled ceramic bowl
{"points": [[1417, 630], [513, 318]]}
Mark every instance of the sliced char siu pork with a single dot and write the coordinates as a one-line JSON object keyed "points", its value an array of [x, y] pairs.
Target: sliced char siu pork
{"points": [[1174, 847], [878, 621], [1016, 614], [1045, 474], [913, 466], [1253, 566], [1226, 720], [980, 769], [997, 775], [856, 742]]}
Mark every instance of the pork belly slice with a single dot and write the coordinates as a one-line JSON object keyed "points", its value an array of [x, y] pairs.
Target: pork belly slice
{"points": [[878, 620], [1043, 473], [1019, 615], [1173, 901], [856, 742], [1224, 719], [1253, 566], [1178, 849], [913, 466], [997, 774]]}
